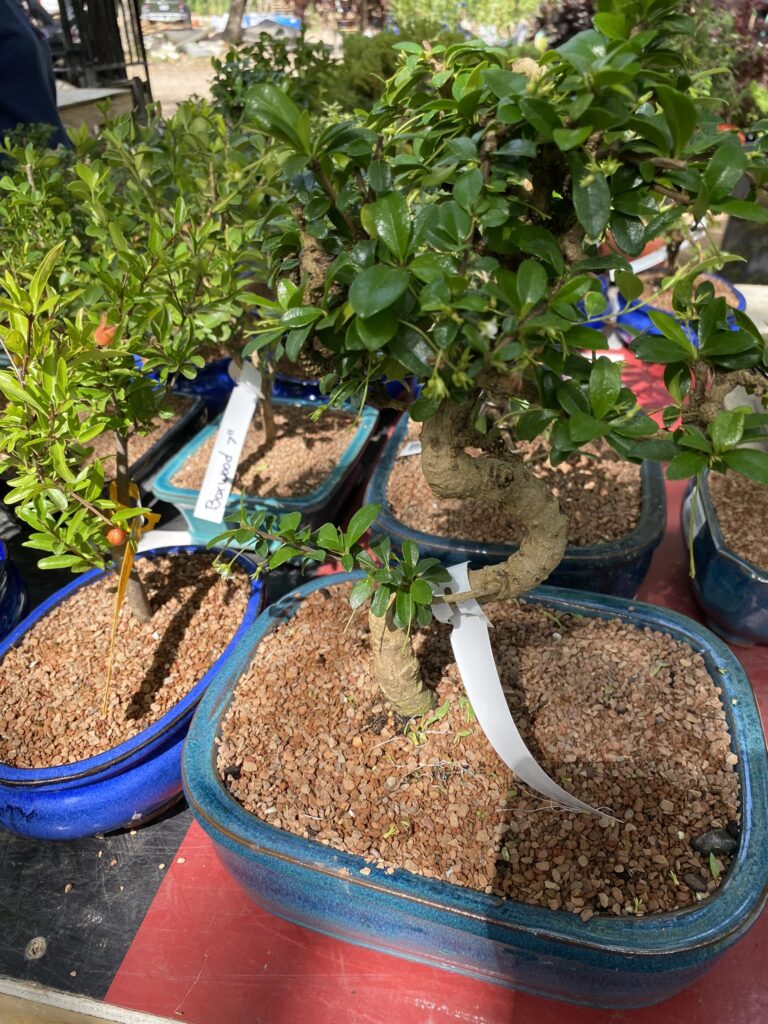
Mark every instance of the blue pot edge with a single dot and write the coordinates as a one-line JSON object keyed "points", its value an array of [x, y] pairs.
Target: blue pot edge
{"points": [[645, 537], [755, 572], [706, 920], [186, 497], [75, 770]]}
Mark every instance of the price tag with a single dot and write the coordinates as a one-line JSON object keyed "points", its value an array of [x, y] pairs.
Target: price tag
{"points": [[225, 457], [474, 659]]}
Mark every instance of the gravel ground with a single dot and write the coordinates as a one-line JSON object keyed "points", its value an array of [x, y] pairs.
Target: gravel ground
{"points": [[623, 718], [51, 683], [742, 512]]}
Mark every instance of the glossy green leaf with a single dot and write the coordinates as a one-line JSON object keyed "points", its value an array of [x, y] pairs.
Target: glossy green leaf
{"points": [[391, 221], [377, 288], [592, 202], [604, 386], [531, 282], [750, 462]]}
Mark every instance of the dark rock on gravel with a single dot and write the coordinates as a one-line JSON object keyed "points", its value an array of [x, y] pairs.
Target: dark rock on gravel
{"points": [[717, 841], [695, 882]]}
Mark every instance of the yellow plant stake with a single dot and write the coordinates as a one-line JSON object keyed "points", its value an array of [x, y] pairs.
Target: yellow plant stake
{"points": [[139, 525]]}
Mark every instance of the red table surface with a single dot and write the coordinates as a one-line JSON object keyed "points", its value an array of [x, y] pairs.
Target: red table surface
{"points": [[207, 955]]}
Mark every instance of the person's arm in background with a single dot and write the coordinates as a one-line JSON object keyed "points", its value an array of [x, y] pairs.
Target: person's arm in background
{"points": [[27, 87]]}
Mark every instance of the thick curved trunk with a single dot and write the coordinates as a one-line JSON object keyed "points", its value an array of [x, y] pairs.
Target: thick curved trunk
{"points": [[498, 478]]}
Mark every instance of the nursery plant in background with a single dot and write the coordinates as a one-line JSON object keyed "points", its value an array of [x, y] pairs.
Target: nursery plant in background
{"points": [[452, 235], [120, 683]]}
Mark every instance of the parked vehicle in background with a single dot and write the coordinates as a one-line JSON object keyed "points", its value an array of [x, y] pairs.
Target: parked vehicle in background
{"points": [[166, 11]]}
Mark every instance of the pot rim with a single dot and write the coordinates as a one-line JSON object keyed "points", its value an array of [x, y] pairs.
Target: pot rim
{"points": [[82, 769], [186, 497], [645, 536], [755, 572], [714, 921]]}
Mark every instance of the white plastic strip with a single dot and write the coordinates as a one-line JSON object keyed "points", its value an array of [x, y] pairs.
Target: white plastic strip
{"points": [[164, 539], [225, 457], [409, 448], [474, 658]]}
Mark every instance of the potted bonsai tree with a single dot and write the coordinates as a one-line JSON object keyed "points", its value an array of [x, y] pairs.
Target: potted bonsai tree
{"points": [[452, 235], [119, 684]]}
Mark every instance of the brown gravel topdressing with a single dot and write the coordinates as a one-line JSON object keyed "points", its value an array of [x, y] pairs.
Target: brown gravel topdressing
{"points": [[51, 682], [742, 513], [301, 458], [602, 499], [139, 444], [663, 300], [625, 719]]}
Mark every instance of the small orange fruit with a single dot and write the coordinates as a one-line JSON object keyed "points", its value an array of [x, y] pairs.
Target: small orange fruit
{"points": [[104, 333], [116, 537]]}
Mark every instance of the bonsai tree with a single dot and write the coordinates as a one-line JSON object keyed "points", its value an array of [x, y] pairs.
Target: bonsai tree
{"points": [[452, 235]]}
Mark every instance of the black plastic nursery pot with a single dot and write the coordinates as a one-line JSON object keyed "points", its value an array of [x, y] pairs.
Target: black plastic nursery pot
{"points": [[616, 568]]}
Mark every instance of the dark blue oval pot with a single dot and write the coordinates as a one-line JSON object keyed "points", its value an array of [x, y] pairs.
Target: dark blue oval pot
{"points": [[124, 786], [212, 385], [617, 568], [606, 962], [13, 593], [315, 507], [732, 592], [639, 322]]}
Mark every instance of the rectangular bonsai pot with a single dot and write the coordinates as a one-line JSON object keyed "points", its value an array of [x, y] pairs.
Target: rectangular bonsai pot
{"points": [[320, 504], [606, 962]]}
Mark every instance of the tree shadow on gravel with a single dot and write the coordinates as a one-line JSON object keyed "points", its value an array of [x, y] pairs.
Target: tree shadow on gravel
{"points": [[167, 649]]}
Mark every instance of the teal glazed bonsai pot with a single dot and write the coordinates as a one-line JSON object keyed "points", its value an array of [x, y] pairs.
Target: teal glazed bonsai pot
{"points": [[320, 504], [130, 783], [732, 592], [616, 568], [606, 962]]}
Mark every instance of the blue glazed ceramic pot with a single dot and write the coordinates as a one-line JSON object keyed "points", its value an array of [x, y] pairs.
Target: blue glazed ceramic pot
{"points": [[732, 592], [315, 507], [124, 786], [212, 385], [606, 962], [617, 568], [13, 593], [639, 322]]}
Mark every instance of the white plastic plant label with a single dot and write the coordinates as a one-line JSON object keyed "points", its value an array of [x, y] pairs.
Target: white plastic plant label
{"points": [[225, 457], [409, 448], [474, 658]]}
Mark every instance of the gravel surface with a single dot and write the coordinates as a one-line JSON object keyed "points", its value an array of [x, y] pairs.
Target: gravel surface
{"points": [[601, 499], [51, 683], [652, 281], [139, 444], [300, 460], [742, 512], [623, 718]]}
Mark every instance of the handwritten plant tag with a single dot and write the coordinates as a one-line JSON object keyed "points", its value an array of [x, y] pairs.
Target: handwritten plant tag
{"points": [[225, 457], [474, 659]]}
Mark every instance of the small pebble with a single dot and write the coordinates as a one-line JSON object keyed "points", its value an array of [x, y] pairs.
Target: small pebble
{"points": [[695, 882], [717, 841]]}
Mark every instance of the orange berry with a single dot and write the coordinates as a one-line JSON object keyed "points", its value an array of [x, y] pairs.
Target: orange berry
{"points": [[116, 537], [104, 333]]}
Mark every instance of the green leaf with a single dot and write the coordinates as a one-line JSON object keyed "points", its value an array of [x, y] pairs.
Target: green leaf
{"points": [[604, 386], [583, 427], [650, 348], [726, 430], [404, 607], [468, 187], [749, 462], [360, 592], [59, 561], [43, 272], [630, 286], [390, 220], [593, 205], [724, 171], [569, 138], [380, 602], [328, 537], [410, 554], [686, 464], [671, 329], [531, 282], [744, 209], [360, 522], [680, 114], [421, 592], [377, 288]]}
